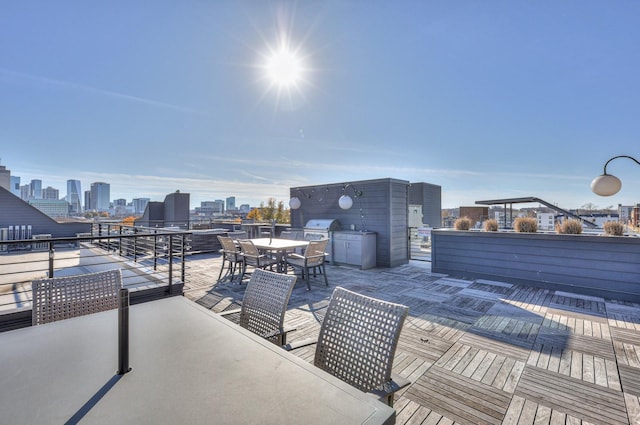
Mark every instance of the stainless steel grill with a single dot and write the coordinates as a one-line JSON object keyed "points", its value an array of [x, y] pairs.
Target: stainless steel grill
{"points": [[322, 228]]}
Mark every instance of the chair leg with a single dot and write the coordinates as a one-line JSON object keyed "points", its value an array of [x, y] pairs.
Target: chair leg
{"points": [[221, 268], [306, 276], [324, 273], [244, 271], [233, 271]]}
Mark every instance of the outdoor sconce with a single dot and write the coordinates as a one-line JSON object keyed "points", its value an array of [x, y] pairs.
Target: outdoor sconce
{"points": [[345, 202], [607, 184], [294, 202]]}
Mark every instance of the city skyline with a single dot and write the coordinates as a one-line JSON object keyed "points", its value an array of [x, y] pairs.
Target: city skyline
{"points": [[75, 184], [488, 100]]}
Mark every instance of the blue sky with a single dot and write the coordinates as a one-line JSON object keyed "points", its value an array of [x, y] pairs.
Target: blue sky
{"points": [[488, 99]]}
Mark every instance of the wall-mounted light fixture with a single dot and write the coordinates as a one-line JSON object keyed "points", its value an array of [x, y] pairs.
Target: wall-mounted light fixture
{"points": [[607, 184], [294, 202], [345, 201]]}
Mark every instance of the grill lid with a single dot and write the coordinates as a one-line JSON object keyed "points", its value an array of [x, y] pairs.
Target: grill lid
{"points": [[326, 224]]}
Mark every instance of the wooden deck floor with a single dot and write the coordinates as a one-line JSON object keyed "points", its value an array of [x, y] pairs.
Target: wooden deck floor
{"points": [[477, 351]]}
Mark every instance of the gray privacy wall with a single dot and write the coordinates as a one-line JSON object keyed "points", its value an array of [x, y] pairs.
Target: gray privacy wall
{"points": [[16, 212], [382, 208], [604, 266]]}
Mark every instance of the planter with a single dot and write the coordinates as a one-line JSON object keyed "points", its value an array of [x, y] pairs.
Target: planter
{"points": [[588, 264]]}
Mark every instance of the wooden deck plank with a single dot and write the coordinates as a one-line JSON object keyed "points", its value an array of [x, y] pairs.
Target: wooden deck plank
{"points": [[543, 415], [459, 398], [633, 408], [482, 369], [498, 343], [493, 370], [574, 397], [570, 341], [512, 416], [630, 379]]}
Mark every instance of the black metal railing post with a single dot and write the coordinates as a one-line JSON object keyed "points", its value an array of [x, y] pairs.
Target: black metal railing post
{"points": [[135, 246], [51, 258], [120, 241], [155, 251], [123, 331], [170, 264], [183, 253]]}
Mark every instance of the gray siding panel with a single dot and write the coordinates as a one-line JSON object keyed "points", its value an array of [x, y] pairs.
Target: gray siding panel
{"points": [[594, 265]]}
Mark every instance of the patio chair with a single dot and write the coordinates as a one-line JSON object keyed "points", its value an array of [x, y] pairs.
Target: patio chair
{"points": [[312, 259], [264, 305], [231, 257], [357, 342], [252, 257], [60, 298]]}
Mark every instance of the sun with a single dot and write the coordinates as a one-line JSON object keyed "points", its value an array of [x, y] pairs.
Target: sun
{"points": [[284, 68]]}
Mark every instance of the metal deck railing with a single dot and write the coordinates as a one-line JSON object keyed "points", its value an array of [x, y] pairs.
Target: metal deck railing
{"points": [[150, 260]]}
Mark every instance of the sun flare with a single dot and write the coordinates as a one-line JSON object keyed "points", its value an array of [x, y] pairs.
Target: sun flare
{"points": [[284, 68]]}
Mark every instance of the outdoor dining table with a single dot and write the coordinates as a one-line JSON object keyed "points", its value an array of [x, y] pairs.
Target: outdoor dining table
{"points": [[188, 365], [279, 247]]}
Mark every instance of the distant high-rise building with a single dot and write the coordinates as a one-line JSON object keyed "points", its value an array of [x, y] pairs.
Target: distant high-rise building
{"points": [[73, 196], [54, 208], [120, 202], [50, 193], [100, 196], [35, 189], [231, 203], [25, 192], [208, 208], [87, 200], [15, 185], [139, 205], [5, 177], [244, 208]]}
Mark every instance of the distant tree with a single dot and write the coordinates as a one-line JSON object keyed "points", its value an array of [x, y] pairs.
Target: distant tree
{"points": [[589, 207], [270, 211], [254, 214], [129, 221]]}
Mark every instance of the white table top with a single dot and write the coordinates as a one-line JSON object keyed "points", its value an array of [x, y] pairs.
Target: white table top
{"points": [[189, 365], [278, 244]]}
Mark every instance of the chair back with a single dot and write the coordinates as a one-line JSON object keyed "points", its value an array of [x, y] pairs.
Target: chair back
{"points": [[228, 246], [358, 338], [237, 234], [315, 252], [293, 234], [265, 301], [248, 248], [61, 298]]}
